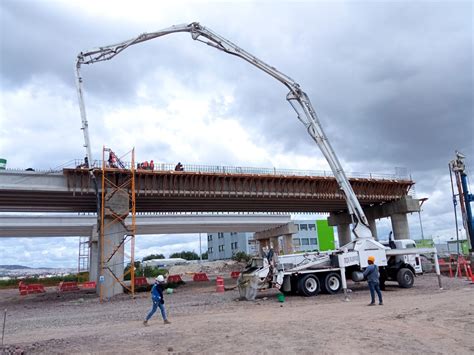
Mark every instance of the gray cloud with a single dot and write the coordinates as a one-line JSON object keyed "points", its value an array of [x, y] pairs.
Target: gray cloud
{"points": [[392, 82]]}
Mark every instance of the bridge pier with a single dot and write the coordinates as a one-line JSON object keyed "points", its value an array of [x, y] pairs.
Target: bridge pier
{"points": [[94, 257], [373, 227], [397, 211], [116, 209], [270, 237], [344, 233], [288, 244], [275, 244], [113, 263], [400, 226]]}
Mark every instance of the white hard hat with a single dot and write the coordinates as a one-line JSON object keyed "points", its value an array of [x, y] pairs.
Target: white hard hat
{"points": [[160, 278]]}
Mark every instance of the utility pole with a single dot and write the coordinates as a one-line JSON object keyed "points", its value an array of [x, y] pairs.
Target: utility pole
{"points": [[200, 251]]}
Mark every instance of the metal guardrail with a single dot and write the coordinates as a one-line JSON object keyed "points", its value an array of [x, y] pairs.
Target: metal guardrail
{"points": [[400, 173]]}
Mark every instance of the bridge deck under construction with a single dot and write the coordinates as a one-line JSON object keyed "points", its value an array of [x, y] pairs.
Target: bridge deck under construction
{"points": [[172, 191], [185, 191]]}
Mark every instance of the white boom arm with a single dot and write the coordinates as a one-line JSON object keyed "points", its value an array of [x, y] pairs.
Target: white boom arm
{"points": [[296, 97]]}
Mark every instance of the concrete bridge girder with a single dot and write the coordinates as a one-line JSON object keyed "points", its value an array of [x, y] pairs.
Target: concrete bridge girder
{"points": [[169, 191]]}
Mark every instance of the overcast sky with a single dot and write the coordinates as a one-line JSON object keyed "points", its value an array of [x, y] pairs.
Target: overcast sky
{"points": [[392, 82]]}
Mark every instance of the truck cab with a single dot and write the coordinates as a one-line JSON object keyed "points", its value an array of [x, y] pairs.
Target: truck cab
{"points": [[412, 259]]}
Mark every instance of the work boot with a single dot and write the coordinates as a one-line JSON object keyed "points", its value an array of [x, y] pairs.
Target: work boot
{"points": [[380, 303], [145, 323], [371, 304], [166, 321]]}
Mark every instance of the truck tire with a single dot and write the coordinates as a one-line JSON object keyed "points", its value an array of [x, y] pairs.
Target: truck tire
{"points": [[308, 285], [405, 278], [332, 283]]}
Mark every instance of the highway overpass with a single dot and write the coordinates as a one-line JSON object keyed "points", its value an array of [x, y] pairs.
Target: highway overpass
{"points": [[72, 190]]}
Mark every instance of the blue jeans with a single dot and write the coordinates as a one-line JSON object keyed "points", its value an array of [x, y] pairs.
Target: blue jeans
{"points": [[375, 287], [156, 304]]}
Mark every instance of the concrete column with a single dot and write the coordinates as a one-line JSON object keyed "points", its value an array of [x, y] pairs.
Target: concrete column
{"points": [[112, 241], [373, 228], [94, 256], [288, 244], [400, 226], [112, 265], [263, 243], [343, 233], [275, 244]]}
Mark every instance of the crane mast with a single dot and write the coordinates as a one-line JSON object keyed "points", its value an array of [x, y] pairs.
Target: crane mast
{"points": [[296, 97]]}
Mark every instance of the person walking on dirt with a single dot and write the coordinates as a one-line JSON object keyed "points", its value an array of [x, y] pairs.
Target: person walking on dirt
{"points": [[158, 300], [371, 273]]}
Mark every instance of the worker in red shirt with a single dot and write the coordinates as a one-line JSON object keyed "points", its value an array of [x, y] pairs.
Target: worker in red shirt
{"points": [[152, 165]]}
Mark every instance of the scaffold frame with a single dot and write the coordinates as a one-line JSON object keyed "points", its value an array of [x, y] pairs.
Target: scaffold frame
{"points": [[110, 186]]}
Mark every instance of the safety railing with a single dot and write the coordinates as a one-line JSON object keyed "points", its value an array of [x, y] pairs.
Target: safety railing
{"points": [[400, 173]]}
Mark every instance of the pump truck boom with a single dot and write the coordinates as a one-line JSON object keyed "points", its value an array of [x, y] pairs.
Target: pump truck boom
{"points": [[351, 254], [296, 97]]}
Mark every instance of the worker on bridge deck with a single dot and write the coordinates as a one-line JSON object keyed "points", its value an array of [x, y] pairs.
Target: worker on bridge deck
{"points": [[179, 167], [112, 160]]}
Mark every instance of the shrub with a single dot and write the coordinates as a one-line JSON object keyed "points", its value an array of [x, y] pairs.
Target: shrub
{"points": [[241, 256]]}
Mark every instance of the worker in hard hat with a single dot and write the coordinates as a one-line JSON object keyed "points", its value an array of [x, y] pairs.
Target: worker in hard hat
{"points": [[158, 300], [371, 273]]}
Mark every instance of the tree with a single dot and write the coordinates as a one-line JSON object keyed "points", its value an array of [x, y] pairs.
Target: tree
{"points": [[186, 255], [154, 256], [241, 256], [205, 256]]}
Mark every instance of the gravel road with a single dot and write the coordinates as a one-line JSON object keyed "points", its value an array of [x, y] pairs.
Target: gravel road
{"points": [[423, 319]]}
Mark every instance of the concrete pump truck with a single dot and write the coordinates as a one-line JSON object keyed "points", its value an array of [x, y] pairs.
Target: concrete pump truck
{"points": [[301, 273]]}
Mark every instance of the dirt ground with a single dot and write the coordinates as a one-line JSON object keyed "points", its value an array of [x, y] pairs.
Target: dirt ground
{"points": [[423, 319]]}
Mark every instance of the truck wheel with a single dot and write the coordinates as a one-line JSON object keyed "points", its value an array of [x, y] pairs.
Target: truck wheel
{"points": [[332, 283], [308, 285], [405, 278]]}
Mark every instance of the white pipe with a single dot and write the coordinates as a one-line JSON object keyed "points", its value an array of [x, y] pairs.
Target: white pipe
{"points": [[438, 273], [344, 284]]}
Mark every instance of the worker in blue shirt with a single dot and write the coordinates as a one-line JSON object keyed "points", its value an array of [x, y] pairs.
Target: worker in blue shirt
{"points": [[371, 273], [158, 300]]}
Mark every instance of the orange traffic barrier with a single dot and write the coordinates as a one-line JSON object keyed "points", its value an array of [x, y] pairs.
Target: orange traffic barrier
{"points": [[219, 284], [469, 272], [31, 288], [235, 274], [65, 286], [200, 276], [88, 285], [174, 279], [140, 281]]}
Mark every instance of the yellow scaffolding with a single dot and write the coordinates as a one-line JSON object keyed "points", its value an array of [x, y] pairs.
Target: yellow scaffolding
{"points": [[117, 180]]}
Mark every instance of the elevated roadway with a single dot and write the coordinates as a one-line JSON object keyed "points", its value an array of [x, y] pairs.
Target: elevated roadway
{"points": [[72, 190], [52, 225]]}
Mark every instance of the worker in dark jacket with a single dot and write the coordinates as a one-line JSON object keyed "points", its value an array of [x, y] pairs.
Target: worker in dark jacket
{"points": [[371, 273], [158, 300]]}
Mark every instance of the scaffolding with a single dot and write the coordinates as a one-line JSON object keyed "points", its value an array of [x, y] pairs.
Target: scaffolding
{"points": [[84, 254], [117, 223]]}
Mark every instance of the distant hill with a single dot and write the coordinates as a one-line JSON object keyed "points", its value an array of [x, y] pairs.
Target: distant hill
{"points": [[14, 267]]}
